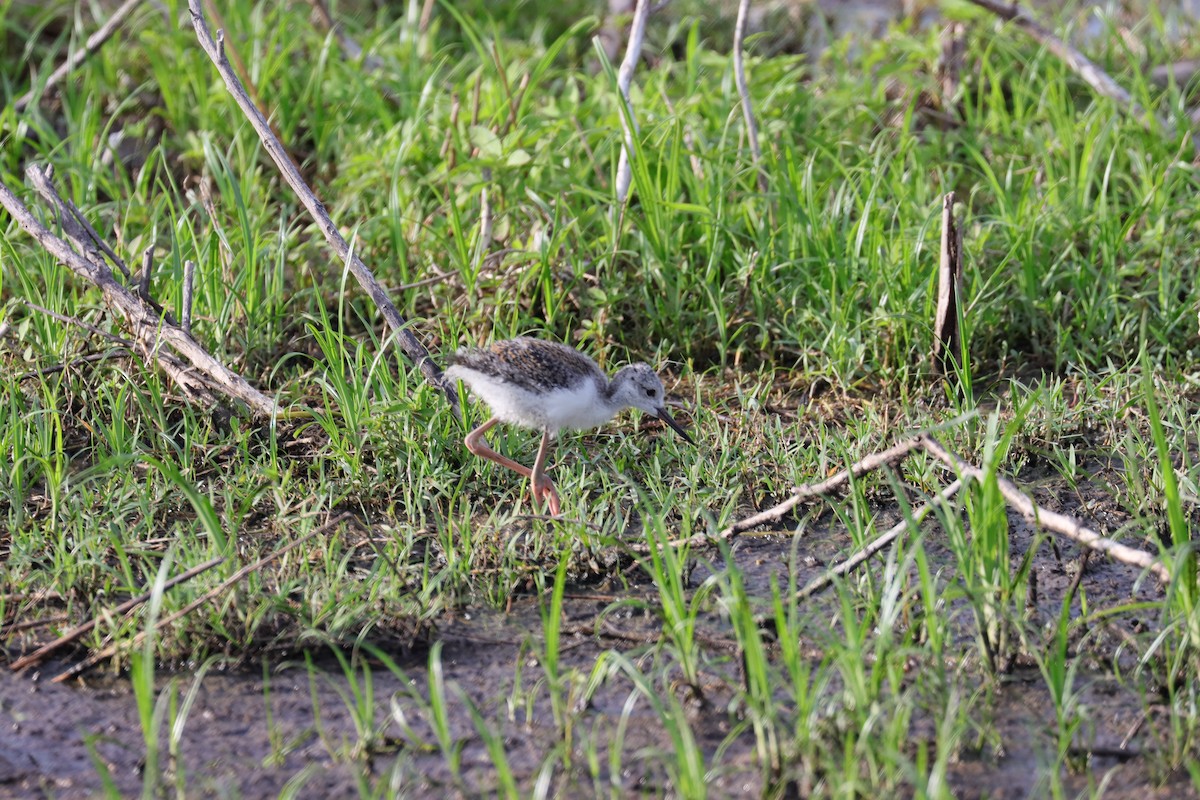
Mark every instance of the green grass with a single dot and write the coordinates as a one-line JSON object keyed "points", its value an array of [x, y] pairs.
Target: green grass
{"points": [[795, 325]]}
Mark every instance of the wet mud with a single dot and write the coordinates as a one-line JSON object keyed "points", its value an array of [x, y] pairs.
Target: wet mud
{"points": [[300, 727]]}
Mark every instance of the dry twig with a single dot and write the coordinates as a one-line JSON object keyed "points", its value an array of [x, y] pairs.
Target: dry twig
{"points": [[409, 343], [1076, 61], [954, 46], [212, 594], [825, 580], [1050, 520], [103, 334], [947, 341], [116, 352], [350, 47], [189, 278], [809, 490], [633, 52], [739, 73], [93, 43], [124, 608], [1179, 72]]}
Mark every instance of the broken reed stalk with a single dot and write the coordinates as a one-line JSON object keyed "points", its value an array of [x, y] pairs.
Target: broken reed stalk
{"points": [[154, 335], [144, 275], [1061, 524], [217, 591], [825, 580], [408, 342], [947, 338], [189, 279], [739, 74], [633, 52], [93, 43], [124, 608], [1076, 61]]}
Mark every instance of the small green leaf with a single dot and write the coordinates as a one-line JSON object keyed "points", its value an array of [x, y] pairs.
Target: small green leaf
{"points": [[518, 158], [487, 141]]}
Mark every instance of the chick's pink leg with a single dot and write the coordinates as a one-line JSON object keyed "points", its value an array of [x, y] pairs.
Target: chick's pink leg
{"points": [[542, 485]]}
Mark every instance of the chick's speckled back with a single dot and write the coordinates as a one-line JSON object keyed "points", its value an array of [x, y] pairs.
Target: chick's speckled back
{"points": [[533, 364]]}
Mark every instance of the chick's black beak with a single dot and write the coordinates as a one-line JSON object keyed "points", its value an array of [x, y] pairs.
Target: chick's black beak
{"points": [[667, 418]]}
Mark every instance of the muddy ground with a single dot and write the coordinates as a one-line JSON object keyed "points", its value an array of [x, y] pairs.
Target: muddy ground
{"points": [[247, 737]]}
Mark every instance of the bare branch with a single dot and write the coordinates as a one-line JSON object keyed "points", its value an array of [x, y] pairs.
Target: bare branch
{"points": [[116, 352], [409, 343], [1076, 61], [1179, 72], [117, 340], [739, 74], [93, 43], [77, 228], [633, 52], [949, 68], [1050, 520], [825, 580]]}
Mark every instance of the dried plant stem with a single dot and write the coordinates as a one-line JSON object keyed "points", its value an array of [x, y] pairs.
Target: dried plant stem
{"points": [[189, 278], [801, 493], [127, 606], [739, 73], [212, 594], [116, 352], [409, 343], [633, 52], [1050, 520], [1076, 61], [154, 336], [825, 580], [947, 341], [93, 43]]}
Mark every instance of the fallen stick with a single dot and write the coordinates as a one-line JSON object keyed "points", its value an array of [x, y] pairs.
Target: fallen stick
{"points": [[93, 43], [825, 580], [409, 343], [1181, 72], [950, 63], [1076, 61], [739, 74], [1050, 520], [112, 649], [124, 608]]}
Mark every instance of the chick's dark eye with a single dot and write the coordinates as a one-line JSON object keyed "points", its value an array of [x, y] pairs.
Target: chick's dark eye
{"points": [[649, 393]]}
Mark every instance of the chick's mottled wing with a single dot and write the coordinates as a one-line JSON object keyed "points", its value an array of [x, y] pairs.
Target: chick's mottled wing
{"points": [[532, 364]]}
